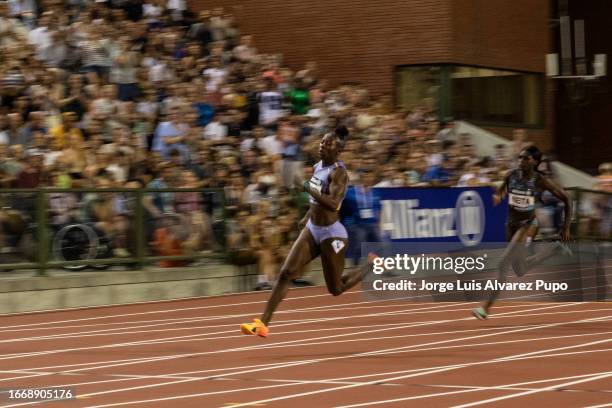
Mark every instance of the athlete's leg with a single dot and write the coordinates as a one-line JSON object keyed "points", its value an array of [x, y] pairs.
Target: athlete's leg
{"points": [[302, 252], [332, 258], [521, 262], [514, 250]]}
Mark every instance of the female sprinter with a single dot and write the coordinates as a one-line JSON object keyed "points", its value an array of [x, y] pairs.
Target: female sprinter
{"points": [[523, 185], [324, 235]]}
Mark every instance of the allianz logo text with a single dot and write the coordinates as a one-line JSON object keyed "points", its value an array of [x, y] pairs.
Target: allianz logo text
{"points": [[403, 219]]}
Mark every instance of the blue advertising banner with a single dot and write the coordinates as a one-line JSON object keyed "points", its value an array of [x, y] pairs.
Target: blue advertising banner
{"points": [[458, 215]]}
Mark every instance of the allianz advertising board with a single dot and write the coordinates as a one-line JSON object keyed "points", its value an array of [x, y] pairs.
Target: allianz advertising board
{"points": [[462, 215]]}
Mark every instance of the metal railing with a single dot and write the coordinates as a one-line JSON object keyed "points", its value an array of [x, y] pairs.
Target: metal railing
{"points": [[590, 207], [592, 214], [40, 221]]}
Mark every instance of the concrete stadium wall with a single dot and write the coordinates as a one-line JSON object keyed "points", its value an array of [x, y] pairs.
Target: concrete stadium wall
{"points": [[25, 292]]}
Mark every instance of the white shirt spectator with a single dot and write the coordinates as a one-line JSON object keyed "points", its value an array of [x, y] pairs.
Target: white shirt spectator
{"points": [[151, 12], [147, 108], [385, 183], [105, 107], [435, 159], [215, 130], [54, 54], [245, 53], [51, 157], [40, 38], [247, 144], [271, 145], [160, 72], [119, 172], [18, 7], [215, 77], [270, 107], [467, 180]]}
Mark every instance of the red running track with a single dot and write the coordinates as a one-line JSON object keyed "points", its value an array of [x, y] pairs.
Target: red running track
{"points": [[323, 351]]}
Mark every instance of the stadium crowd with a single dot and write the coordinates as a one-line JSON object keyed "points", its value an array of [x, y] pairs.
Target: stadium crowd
{"points": [[148, 94]]}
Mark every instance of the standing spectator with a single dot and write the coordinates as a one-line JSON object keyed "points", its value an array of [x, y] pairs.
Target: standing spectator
{"points": [[62, 132], [299, 97], [291, 166], [359, 217], [170, 135], [270, 104], [123, 71]]}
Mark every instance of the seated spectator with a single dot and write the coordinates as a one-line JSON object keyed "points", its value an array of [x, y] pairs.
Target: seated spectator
{"points": [[168, 238]]}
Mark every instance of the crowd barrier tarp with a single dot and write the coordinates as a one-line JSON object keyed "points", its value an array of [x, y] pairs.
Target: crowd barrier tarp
{"points": [[464, 216]]}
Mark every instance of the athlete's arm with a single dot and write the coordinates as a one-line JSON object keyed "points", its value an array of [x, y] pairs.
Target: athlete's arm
{"points": [[500, 192], [554, 188], [337, 189]]}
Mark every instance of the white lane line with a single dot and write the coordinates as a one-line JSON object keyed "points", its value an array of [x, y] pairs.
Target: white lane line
{"points": [[47, 323], [258, 347], [524, 393], [416, 373], [38, 370], [486, 388], [441, 394], [332, 382], [117, 363], [154, 302], [189, 374], [342, 378], [29, 327], [207, 336], [152, 360], [432, 370], [600, 406], [124, 330], [291, 364], [170, 339]]}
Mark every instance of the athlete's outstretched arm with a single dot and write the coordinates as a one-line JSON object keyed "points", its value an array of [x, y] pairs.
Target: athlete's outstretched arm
{"points": [[337, 189], [560, 193]]}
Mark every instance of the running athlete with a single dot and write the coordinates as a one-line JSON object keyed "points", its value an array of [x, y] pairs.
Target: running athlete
{"points": [[324, 235], [523, 186]]}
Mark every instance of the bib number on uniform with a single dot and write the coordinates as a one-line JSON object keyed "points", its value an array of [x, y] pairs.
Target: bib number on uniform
{"points": [[337, 245], [521, 202], [315, 184]]}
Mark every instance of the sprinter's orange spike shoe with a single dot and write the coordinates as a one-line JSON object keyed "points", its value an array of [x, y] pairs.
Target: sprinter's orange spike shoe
{"points": [[256, 328]]}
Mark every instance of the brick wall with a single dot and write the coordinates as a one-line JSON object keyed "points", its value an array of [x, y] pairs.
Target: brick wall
{"points": [[351, 40], [501, 33], [362, 40]]}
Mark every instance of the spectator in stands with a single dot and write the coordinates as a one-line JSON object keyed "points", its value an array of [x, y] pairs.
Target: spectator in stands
{"points": [[138, 93]]}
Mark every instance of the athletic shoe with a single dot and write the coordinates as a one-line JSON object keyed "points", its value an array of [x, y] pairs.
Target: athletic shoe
{"points": [[300, 283], [263, 286], [480, 313], [257, 328]]}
